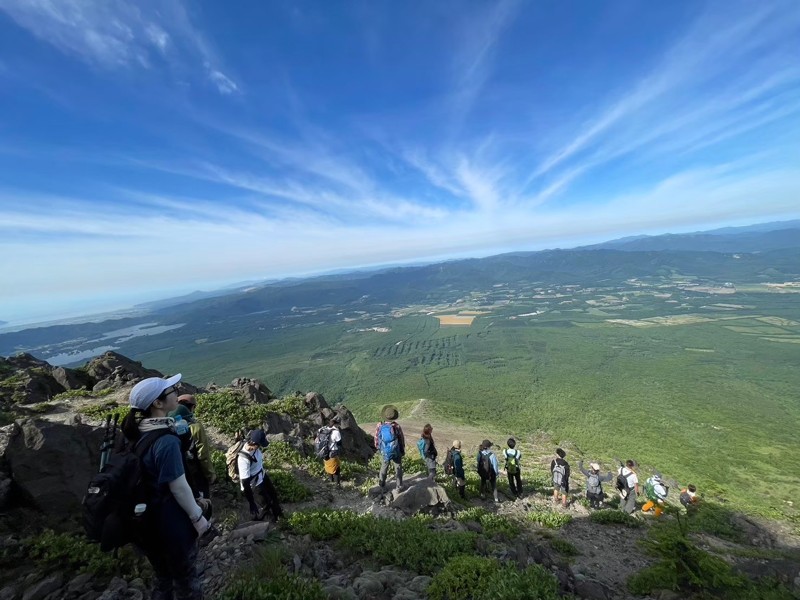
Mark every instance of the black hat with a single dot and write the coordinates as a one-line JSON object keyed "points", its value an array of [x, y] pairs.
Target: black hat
{"points": [[257, 436]]}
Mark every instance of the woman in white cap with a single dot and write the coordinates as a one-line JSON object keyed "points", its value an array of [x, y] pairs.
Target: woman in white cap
{"points": [[594, 489], [172, 520]]}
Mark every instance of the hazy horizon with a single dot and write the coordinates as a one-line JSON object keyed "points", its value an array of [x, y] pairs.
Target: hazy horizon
{"points": [[154, 149]]}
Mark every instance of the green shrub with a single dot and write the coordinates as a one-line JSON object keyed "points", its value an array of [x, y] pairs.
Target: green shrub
{"points": [[479, 578], [491, 523], [410, 543], [709, 517], [550, 519], [294, 406], [288, 488], [76, 553], [268, 579], [614, 517], [70, 394], [564, 547], [229, 412], [682, 566], [99, 412]]}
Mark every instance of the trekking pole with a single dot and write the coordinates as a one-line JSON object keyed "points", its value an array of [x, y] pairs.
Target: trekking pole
{"points": [[105, 447]]}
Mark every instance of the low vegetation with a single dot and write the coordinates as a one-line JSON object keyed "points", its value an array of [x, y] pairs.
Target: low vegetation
{"points": [[411, 543], [480, 578], [614, 517], [267, 578]]}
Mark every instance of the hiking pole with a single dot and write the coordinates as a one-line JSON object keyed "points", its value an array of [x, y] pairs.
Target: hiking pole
{"points": [[105, 447]]}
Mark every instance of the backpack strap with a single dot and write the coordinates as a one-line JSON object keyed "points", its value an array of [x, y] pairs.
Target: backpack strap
{"points": [[144, 443]]}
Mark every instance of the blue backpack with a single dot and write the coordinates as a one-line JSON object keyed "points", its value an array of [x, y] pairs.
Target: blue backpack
{"points": [[390, 447]]}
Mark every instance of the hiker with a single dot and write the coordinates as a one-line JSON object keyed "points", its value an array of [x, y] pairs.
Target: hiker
{"points": [[594, 488], [454, 466], [513, 457], [559, 468], [656, 492], [199, 470], [254, 479], [173, 521], [628, 486], [427, 449], [328, 446], [689, 497], [488, 469], [189, 401], [391, 443]]}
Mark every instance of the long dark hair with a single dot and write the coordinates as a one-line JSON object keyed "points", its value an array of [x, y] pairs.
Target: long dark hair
{"points": [[427, 430], [130, 424]]}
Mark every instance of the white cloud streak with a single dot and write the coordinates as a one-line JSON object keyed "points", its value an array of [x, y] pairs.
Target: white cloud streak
{"points": [[112, 34]]}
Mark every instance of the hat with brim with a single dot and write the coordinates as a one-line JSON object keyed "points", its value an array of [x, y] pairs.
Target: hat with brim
{"points": [[148, 390], [389, 412], [594, 466]]}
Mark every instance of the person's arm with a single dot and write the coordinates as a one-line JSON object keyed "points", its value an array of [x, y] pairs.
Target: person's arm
{"points": [[402, 439], [607, 477], [203, 451], [493, 461], [582, 470], [566, 470], [377, 437]]}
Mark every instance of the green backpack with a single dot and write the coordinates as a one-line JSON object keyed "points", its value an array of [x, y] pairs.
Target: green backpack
{"points": [[512, 462]]}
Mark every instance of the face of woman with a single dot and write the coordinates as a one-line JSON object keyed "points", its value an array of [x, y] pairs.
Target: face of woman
{"points": [[167, 402]]}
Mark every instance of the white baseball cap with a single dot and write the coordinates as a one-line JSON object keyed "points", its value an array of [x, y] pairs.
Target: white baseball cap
{"points": [[148, 390]]}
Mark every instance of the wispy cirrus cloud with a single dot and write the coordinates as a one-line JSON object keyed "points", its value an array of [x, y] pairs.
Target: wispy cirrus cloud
{"points": [[112, 34]]}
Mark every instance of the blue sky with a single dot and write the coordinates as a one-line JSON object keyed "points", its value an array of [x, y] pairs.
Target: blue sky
{"points": [[152, 148]]}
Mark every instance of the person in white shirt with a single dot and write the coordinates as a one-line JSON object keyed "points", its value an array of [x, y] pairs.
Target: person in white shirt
{"points": [[631, 489], [254, 479]]}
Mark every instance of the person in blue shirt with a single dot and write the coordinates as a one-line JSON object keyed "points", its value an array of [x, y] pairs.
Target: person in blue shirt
{"points": [[172, 520], [488, 469]]}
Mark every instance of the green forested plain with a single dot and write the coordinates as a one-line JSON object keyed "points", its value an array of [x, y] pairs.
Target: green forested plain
{"points": [[703, 389]]}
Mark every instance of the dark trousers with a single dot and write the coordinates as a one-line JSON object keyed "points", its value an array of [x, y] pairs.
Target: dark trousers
{"points": [[170, 544], [489, 483], [269, 496], [515, 483]]}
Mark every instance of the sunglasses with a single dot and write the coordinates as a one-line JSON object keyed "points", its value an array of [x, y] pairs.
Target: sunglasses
{"points": [[168, 391]]}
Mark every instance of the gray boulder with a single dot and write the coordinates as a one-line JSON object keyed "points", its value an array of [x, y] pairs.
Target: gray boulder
{"points": [[422, 495], [51, 463], [252, 389]]}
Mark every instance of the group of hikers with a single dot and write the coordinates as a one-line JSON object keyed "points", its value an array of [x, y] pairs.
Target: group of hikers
{"points": [[174, 458], [390, 442]]}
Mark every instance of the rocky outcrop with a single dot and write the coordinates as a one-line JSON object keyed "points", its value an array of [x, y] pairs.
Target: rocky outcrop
{"points": [[251, 389], [112, 370], [50, 463]]}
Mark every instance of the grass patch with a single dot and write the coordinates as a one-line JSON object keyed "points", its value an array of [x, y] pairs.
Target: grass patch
{"points": [[564, 547], [549, 519], [268, 579], [288, 488], [492, 523], [614, 517], [72, 394], [75, 553], [99, 412], [479, 578], [411, 543]]}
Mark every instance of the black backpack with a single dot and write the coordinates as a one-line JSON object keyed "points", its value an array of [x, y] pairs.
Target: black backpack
{"points": [[322, 443], [114, 492], [484, 465], [449, 463], [622, 483]]}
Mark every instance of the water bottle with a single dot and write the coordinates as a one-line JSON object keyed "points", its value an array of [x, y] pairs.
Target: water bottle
{"points": [[181, 426]]}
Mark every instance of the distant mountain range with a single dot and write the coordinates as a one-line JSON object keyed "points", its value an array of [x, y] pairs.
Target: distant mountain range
{"points": [[752, 238], [770, 252]]}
